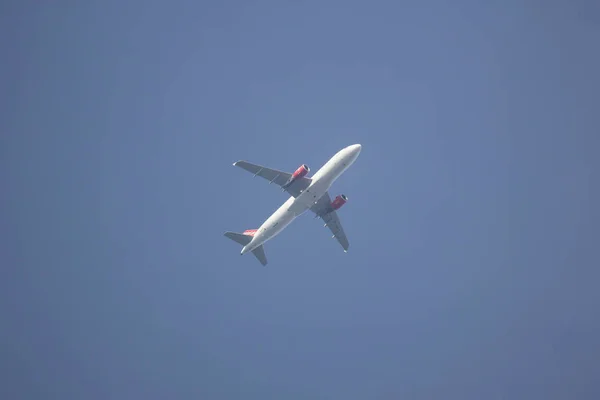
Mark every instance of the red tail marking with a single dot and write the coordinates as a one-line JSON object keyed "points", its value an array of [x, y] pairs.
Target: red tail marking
{"points": [[250, 232]]}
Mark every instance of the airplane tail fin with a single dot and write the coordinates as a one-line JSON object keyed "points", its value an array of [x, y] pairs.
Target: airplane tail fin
{"points": [[244, 239]]}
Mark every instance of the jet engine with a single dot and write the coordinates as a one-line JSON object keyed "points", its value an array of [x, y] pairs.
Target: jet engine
{"points": [[339, 201], [300, 172]]}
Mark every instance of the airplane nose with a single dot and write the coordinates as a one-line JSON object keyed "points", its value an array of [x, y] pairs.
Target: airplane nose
{"points": [[356, 148]]}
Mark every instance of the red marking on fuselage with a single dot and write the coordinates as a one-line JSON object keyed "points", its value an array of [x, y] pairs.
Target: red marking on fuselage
{"points": [[250, 232]]}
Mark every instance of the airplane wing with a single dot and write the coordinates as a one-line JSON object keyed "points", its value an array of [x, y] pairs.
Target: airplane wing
{"points": [[279, 178], [332, 221]]}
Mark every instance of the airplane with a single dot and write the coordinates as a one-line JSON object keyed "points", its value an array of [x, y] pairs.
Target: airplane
{"points": [[306, 194]]}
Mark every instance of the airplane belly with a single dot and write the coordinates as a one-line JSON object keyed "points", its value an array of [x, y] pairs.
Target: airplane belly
{"points": [[275, 224], [297, 208], [308, 198], [285, 220]]}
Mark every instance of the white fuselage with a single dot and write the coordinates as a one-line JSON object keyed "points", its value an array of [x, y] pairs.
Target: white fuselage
{"points": [[295, 206]]}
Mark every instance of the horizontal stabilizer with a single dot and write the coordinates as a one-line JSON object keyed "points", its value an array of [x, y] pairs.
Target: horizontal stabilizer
{"points": [[259, 253], [239, 237], [244, 239]]}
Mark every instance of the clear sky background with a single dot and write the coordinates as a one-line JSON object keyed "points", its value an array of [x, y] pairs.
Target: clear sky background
{"points": [[472, 216]]}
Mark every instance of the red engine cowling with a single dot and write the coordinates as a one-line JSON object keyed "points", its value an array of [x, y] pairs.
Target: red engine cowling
{"points": [[301, 172], [339, 201]]}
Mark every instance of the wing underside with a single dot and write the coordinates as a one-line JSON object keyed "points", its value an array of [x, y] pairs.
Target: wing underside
{"points": [[277, 177], [323, 210]]}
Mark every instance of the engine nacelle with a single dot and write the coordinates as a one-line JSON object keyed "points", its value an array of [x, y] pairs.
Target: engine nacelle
{"points": [[300, 172], [339, 201]]}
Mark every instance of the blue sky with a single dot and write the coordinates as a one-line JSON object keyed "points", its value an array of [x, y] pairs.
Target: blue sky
{"points": [[472, 210]]}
